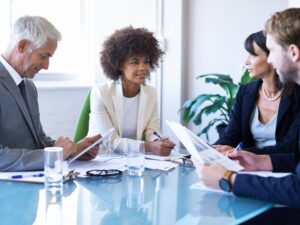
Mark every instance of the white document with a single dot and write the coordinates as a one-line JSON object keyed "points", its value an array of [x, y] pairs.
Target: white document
{"points": [[265, 173], [116, 162], [200, 150], [159, 165], [202, 187], [28, 176], [99, 163], [173, 156]]}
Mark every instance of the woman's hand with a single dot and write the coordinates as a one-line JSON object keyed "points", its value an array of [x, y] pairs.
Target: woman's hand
{"points": [[161, 147], [223, 148]]}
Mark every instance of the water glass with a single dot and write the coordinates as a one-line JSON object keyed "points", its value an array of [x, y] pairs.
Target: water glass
{"points": [[135, 157], [53, 168]]}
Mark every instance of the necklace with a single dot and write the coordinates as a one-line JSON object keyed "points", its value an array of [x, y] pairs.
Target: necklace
{"points": [[272, 98]]}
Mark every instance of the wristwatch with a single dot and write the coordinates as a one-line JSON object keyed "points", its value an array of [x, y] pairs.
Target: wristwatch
{"points": [[224, 182]]}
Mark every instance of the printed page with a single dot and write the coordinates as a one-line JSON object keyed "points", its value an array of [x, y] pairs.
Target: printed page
{"points": [[201, 150], [29, 176], [173, 156]]}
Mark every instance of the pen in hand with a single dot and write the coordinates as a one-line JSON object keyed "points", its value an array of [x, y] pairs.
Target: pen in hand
{"points": [[158, 136], [239, 147], [20, 176]]}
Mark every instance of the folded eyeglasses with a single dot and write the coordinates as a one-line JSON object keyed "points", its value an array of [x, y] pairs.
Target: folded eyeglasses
{"points": [[103, 173]]}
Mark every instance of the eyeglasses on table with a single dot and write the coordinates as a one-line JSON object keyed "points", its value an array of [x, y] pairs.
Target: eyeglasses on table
{"points": [[103, 173]]}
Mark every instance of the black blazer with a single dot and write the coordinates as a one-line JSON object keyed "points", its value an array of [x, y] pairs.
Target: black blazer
{"points": [[287, 125], [284, 190]]}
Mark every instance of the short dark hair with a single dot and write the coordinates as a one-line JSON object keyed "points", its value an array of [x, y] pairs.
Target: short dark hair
{"points": [[128, 42], [260, 39]]}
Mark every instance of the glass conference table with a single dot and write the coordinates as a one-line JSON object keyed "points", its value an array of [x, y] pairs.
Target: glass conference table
{"points": [[157, 198]]}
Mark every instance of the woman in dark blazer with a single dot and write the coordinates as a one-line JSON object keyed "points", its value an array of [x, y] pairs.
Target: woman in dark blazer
{"points": [[263, 116]]}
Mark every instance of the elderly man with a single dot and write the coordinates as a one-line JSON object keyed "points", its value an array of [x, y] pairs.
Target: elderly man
{"points": [[32, 42]]}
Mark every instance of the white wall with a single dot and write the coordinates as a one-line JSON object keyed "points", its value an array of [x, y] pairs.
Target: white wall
{"points": [[60, 109], [202, 36], [215, 36]]}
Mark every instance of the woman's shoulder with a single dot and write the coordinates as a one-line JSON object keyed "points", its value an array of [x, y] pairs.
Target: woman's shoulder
{"points": [[250, 87], [104, 86], [149, 89]]}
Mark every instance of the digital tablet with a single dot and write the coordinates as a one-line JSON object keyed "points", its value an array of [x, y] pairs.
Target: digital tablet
{"points": [[99, 141]]}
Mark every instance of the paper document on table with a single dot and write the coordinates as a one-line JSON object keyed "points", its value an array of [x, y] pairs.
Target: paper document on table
{"points": [[199, 149], [265, 173], [99, 163], [159, 165], [201, 186], [29, 176], [173, 156], [33, 176]]}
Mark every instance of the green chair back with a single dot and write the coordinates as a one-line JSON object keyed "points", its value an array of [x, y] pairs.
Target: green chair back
{"points": [[82, 126]]}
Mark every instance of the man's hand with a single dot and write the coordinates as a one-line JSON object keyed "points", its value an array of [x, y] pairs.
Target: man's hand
{"points": [[251, 161], [68, 146], [209, 174], [86, 142]]}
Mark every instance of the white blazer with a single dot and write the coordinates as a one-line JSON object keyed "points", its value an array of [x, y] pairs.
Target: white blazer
{"points": [[107, 112]]}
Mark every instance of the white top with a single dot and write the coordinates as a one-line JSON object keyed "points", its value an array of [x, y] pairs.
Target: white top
{"points": [[107, 111], [130, 109], [263, 134]]}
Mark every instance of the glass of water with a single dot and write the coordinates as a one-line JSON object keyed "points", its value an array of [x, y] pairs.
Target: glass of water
{"points": [[53, 167], [135, 157]]}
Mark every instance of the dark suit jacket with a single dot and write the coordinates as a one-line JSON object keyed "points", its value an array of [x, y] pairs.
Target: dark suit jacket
{"points": [[285, 190], [239, 126], [22, 138]]}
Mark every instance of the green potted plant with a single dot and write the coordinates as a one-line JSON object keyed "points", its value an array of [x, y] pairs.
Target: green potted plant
{"points": [[205, 104]]}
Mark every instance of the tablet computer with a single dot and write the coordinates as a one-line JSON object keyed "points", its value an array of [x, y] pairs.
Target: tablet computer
{"points": [[99, 141]]}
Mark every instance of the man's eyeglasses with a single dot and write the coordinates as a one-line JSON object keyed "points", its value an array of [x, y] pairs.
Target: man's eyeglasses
{"points": [[103, 173]]}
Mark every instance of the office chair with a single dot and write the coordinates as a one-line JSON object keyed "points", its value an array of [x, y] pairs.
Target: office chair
{"points": [[82, 126]]}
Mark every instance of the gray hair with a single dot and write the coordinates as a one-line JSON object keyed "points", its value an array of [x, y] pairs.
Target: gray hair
{"points": [[35, 29]]}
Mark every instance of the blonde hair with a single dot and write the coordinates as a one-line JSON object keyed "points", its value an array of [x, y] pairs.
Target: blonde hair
{"points": [[285, 27]]}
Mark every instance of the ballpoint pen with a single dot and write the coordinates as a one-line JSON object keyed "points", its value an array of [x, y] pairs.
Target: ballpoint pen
{"points": [[20, 176], [239, 146], [158, 136]]}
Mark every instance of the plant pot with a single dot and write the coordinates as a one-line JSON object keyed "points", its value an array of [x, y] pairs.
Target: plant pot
{"points": [[221, 129]]}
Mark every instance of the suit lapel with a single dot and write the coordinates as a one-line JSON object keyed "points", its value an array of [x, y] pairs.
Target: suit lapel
{"points": [[248, 107], [13, 89], [284, 105], [118, 105], [141, 112]]}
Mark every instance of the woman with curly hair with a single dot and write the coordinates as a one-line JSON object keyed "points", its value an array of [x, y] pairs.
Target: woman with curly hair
{"points": [[127, 103]]}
